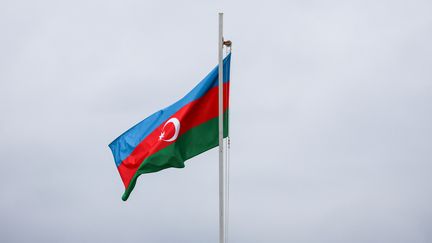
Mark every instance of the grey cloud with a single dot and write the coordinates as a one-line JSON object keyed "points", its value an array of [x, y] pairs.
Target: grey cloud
{"points": [[331, 124]]}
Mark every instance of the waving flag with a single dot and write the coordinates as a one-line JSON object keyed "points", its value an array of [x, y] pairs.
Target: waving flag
{"points": [[175, 134]]}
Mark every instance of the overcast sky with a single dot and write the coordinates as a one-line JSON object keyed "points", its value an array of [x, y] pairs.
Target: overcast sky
{"points": [[331, 120]]}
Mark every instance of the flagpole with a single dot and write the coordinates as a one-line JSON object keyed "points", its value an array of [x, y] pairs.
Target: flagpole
{"points": [[221, 147]]}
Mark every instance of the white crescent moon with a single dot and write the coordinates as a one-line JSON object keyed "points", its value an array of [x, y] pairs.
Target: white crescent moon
{"points": [[176, 124]]}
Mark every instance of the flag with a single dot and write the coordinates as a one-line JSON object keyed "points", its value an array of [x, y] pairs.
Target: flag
{"points": [[174, 134]]}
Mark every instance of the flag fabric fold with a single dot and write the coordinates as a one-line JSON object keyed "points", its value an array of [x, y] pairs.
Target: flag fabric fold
{"points": [[174, 134]]}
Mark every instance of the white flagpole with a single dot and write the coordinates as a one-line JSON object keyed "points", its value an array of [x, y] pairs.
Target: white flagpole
{"points": [[221, 147]]}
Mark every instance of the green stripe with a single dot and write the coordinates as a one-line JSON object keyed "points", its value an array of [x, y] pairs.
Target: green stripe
{"points": [[193, 142]]}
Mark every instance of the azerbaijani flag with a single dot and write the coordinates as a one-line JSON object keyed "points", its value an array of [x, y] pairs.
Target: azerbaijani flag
{"points": [[175, 134]]}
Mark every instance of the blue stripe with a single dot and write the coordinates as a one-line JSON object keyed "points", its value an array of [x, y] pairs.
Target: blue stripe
{"points": [[123, 146]]}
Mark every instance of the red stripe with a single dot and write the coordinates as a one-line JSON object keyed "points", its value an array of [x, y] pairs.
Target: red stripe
{"points": [[193, 114]]}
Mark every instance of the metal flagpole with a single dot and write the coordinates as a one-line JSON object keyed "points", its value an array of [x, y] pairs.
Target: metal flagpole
{"points": [[221, 150]]}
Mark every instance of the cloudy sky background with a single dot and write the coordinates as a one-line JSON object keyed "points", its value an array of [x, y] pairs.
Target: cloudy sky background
{"points": [[330, 106]]}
